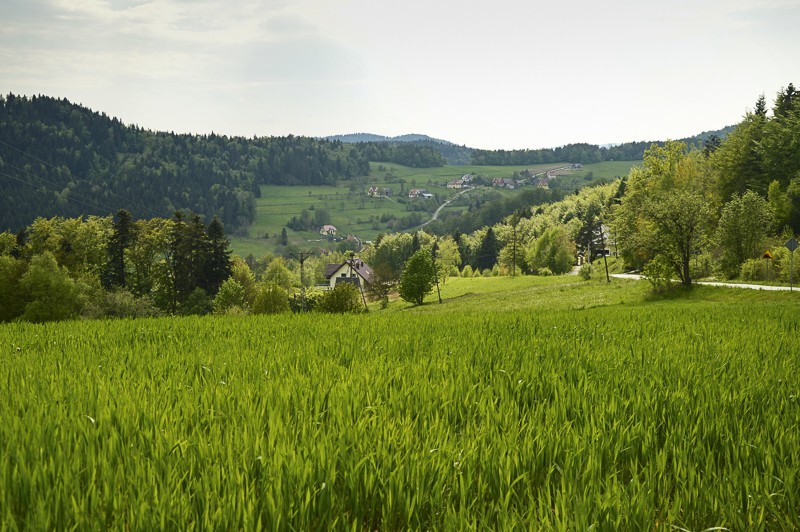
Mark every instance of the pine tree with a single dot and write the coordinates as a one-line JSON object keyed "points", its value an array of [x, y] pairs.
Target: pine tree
{"points": [[487, 252], [122, 238], [218, 263]]}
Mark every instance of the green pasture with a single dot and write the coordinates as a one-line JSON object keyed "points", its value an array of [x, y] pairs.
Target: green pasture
{"points": [[520, 403], [352, 212]]}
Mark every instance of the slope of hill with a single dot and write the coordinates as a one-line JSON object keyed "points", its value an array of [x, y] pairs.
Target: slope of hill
{"points": [[59, 158]]}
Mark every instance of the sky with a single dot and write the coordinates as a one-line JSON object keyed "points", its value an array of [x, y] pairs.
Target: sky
{"points": [[497, 74]]}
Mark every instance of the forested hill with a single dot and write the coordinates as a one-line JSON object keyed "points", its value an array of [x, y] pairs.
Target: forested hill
{"points": [[59, 158], [395, 149], [431, 152], [588, 153]]}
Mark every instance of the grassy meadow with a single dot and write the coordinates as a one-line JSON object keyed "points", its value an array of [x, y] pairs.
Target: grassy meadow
{"points": [[532, 403], [352, 212]]}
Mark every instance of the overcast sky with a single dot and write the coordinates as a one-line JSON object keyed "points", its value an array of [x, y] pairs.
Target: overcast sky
{"points": [[487, 74]]}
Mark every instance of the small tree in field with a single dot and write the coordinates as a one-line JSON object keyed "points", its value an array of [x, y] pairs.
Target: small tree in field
{"points": [[418, 278]]}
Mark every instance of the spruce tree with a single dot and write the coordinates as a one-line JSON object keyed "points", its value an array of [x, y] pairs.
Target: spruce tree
{"points": [[121, 239], [218, 263], [487, 252]]}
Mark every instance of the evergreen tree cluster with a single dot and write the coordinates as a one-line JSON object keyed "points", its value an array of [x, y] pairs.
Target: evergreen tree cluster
{"points": [[413, 154]]}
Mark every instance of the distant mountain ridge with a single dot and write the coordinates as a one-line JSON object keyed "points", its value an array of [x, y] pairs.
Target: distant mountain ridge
{"points": [[455, 154]]}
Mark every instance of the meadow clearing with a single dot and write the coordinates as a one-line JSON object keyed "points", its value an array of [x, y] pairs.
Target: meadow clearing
{"points": [[518, 403], [352, 212]]}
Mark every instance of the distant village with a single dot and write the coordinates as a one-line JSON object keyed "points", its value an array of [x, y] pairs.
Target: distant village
{"points": [[540, 180]]}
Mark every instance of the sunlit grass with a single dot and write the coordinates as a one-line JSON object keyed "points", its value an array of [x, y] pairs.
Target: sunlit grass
{"points": [[519, 403]]}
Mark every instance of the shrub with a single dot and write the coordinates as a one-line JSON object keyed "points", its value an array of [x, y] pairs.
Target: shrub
{"points": [[121, 304], [586, 271], [344, 298], [756, 270], [271, 298], [659, 272], [467, 271], [231, 294], [198, 303]]}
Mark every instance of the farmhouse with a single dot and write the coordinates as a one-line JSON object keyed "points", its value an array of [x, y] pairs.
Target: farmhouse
{"points": [[456, 183], [329, 230], [353, 270], [542, 183], [373, 192], [504, 183], [419, 193]]}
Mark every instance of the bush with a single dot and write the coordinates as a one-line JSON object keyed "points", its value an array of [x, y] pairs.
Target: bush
{"points": [[701, 266], [271, 298], [586, 271], [344, 298], [231, 294], [756, 270], [467, 271], [121, 304], [659, 272], [198, 303]]}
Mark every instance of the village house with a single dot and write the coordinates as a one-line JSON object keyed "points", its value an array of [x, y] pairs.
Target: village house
{"points": [[419, 193], [373, 192], [353, 270], [456, 183], [542, 183], [328, 230], [504, 183]]}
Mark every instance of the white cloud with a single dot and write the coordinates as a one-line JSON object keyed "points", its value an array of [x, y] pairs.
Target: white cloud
{"points": [[500, 74]]}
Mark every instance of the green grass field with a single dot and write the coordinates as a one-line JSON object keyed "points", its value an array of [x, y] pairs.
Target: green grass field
{"points": [[354, 213], [524, 403]]}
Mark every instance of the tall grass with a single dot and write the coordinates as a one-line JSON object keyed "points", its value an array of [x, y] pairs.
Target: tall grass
{"points": [[620, 417]]}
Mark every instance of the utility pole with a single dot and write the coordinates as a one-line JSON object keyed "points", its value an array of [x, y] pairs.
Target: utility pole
{"points": [[302, 256], [360, 284]]}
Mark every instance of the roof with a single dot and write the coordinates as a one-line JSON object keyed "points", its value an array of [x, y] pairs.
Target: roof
{"points": [[360, 267]]}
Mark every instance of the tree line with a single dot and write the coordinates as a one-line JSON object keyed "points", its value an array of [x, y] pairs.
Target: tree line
{"points": [[586, 153]]}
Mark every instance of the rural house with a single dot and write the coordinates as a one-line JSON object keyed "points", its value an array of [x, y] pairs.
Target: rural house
{"points": [[419, 193], [328, 230], [352, 270]]}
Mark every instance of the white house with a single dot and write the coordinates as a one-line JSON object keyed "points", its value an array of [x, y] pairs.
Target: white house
{"points": [[353, 270], [328, 230]]}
